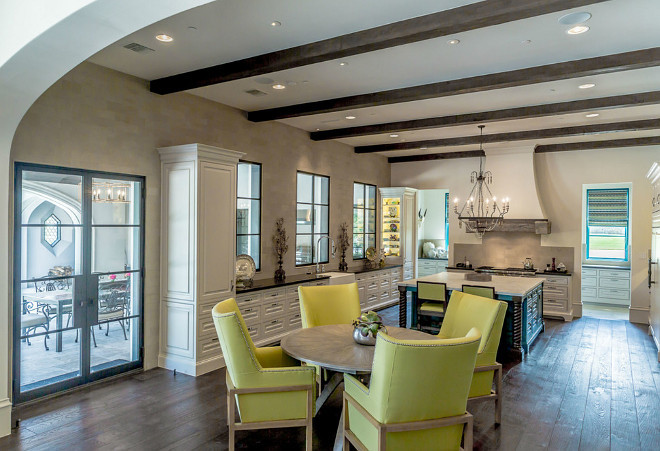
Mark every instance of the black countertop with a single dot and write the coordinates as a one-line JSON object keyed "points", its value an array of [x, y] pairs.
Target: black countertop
{"points": [[538, 272], [264, 284], [362, 270]]}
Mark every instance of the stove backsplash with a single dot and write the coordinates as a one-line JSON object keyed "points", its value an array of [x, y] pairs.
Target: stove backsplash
{"points": [[503, 250]]}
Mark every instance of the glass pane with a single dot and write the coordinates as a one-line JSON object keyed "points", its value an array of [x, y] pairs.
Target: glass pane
{"points": [[41, 259], [248, 180], [371, 196], [358, 220], [358, 246], [371, 241], [46, 359], [607, 242], [249, 244], [115, 249], [303, 249], [247, 216], [304, 219], [321, 190], [370, 221], [358, 195], [47, 193], [321, 219], [116, 201], [323, 249], [305, 187], [115, 340]]}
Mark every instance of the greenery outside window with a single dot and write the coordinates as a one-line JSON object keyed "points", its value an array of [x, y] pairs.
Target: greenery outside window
{"points": [[312, 217], [248, 211], [364, 219], [607, 224]]}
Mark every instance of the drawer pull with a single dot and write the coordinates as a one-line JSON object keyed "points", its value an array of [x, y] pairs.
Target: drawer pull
{"points": [[247, 310], [274, 321], [274, 304]]}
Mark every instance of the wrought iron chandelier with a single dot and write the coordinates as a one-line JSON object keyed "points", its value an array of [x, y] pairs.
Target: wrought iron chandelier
{"points": [[481, 213]]}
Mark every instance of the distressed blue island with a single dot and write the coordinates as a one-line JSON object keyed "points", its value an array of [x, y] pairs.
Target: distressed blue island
{"points": [[524, 315]]}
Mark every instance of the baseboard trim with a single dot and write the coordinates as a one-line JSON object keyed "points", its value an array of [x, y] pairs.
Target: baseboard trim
{"points": [[5, 417], [189, 366], [638, 315], [656, 340]]}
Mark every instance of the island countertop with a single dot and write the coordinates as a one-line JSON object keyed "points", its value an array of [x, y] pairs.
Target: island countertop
{"points": [[504, 285]]}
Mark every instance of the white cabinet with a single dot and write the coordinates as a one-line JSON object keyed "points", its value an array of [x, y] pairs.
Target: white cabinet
{"points": [[378, 288], [398, 233], [272, 312], [604, 285], [198, 228], [426, 267], [557, 296]]}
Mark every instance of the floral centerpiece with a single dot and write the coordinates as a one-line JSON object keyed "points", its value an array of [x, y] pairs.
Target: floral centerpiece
{"points": [[366, 327]]}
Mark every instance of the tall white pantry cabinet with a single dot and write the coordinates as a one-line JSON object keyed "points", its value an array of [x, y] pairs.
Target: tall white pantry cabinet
{"points": [[198, 248]]}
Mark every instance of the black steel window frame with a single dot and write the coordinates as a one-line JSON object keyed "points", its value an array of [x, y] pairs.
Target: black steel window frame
{"points": [[364, 212], [313, 204], [85, 376], [260, 209], [56, 226]]}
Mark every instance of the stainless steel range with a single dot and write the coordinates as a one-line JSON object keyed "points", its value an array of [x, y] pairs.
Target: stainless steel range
{"points": [[515, 272]]}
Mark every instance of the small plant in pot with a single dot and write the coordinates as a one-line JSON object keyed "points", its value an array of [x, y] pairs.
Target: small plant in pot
{"points": [[366, 327]]}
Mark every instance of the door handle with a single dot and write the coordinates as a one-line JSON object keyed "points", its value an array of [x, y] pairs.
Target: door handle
{"points": [[91, 301]]}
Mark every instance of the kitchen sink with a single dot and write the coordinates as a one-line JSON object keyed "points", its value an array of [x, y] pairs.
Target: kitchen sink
{"points": [[339, 278]]}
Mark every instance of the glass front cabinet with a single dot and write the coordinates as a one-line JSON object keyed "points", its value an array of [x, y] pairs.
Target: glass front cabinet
{"points": [[398, 228]]}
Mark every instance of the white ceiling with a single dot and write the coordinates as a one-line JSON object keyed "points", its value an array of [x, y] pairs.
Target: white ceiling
{"points": [[236, 29]]}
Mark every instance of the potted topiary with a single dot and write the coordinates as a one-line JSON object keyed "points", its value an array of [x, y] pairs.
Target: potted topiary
{"points": [[366, 327]]}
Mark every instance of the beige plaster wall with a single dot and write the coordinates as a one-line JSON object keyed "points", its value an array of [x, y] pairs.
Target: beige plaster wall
{"points": [[96, 118], [559, 179]]}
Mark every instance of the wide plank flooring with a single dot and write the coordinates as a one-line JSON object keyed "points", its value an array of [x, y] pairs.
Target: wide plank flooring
{"points": [[590, 384]]}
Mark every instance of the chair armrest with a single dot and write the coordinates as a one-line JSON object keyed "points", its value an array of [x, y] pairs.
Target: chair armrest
{"points": [[283, 376], [358, 391], [274, 357]]}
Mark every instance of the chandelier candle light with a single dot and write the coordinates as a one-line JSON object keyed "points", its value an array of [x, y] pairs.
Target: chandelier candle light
{"points": [[481, 213]]}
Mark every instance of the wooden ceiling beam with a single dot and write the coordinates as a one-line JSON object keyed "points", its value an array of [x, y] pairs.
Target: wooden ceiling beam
{"points": [[594, 145], [437, 156], [444, 23], [592, 129], [638, 59], [526, 112]]}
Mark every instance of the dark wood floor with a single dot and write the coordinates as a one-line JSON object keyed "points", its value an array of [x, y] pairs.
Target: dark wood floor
{"points": [[589, 384]]}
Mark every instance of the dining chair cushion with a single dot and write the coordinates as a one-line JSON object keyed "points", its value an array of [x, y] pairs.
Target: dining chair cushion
{"points": [[329, 304], [467, 311], [432, 308], [33, 320], [415, 380], [248, 367]]}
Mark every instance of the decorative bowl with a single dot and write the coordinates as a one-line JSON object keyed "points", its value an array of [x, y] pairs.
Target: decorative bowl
{"points": [[366, 328]]}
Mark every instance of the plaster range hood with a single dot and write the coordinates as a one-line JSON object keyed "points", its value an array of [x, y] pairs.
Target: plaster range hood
{"points": [[514, 177]]}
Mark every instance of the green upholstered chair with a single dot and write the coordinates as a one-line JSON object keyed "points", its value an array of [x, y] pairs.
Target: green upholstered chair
{"points": [[431, 305], [417, 395], [270, 388], [484, 292], [466, 311], [329, 304]]}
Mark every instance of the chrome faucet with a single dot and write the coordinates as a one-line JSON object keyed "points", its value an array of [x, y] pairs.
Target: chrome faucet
{"points": [[318, 244]]}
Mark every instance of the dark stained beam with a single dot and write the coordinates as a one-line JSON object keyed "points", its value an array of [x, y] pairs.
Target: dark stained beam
{"points": [[437, 156], [453, 21], [591, 145], [637, 59], [526, 112], [593, 129]]}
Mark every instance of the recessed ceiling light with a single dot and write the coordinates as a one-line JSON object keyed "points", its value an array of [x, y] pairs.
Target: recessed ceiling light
{"points": [[275, 23], [279, 86], [592, 115], [578, 29], [453, 41], [343, 63], [192, 28], [574, 18], [394, 135], [526, 41], [350, 118], [164, 38], [587, 85]]}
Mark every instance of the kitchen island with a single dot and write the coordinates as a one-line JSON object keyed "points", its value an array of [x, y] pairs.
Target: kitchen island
{"points": [[524, 296]]}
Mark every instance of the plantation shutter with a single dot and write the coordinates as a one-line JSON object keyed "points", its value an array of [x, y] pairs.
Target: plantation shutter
{"points": [[607, 207]]}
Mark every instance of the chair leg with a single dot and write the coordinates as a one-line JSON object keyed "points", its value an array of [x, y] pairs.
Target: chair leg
{"points": [[45, 342], [467, 434], [123, 329], [347, 443], [498, 392], [93, 336], [107, 329], [310, 416], [229, 400], [232, 421]]}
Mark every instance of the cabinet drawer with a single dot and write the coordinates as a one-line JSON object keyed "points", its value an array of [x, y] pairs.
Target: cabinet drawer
{"points": [[591, 292], [591, 272], [557, 292], [589, 281], [270, 309], [360, 278], [384, 296], [372, 285], [362, 292], [292, 292], [394, 294], [208, 347], [385, 282], [274, 295], [317, 283], [557, 280], [372, 299], [613, 293], [249, 297], [251, 312], [206, 327], [614, 283], [407, 275], [614, 274], [555, 305], [426, 264], [293, 305], [293, 322], [255, 331], [273, 327]]}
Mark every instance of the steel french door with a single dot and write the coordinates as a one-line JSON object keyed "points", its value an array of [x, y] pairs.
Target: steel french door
{"points": [[78, 277]]}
